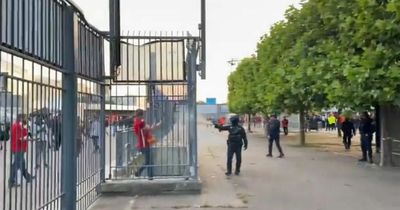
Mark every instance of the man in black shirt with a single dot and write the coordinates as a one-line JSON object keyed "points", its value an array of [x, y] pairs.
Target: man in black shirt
{"points": [[366, 131], [236, 139], [348, 132]]}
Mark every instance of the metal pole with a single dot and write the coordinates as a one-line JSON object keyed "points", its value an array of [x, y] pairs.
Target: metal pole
{"points": [[103, 133], [203, 39], [69, 112], [192, 78], [115, 35]]}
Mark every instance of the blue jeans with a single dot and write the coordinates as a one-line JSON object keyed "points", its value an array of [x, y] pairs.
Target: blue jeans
{"points": [[19, 164], [147, 162]]}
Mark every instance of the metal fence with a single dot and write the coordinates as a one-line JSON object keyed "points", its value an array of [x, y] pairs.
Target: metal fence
{"points": [[156, 75], [51, 96], [57, 108]]}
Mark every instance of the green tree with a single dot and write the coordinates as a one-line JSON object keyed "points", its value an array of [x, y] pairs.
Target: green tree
{"points": [[242, 90]]}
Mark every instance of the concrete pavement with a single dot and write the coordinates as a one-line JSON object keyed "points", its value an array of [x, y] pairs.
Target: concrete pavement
{"points": [[306, 179]]}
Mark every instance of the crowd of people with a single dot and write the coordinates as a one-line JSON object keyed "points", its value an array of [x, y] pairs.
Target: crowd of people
{"points": [[43, 131], [346, 124]]}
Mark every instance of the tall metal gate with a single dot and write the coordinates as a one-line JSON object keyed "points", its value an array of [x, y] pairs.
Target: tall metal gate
{"points": [[57, 106], [51, 91], [157, 75]]}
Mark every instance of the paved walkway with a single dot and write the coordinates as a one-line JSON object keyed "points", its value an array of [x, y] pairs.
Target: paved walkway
{"points": [[308, 178]]}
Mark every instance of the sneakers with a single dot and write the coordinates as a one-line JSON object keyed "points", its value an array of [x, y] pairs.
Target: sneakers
{"points": [[237, 173], [269, 155], [228, 173], [281, 156], [362, 160]]}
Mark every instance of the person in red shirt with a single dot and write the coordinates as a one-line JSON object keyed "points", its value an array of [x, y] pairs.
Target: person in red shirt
{"points": [[285, 126], [143, 133], [19, 146]]}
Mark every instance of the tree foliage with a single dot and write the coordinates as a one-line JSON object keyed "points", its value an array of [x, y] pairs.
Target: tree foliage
{"points": [[242, 92], [327, 53]]}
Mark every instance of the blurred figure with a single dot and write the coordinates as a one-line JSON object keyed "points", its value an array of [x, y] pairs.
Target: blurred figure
{"points": [[95, 130], [366, 131], [274, 136], [285, 125], [348, 132], [19, 146], [331, 122]]}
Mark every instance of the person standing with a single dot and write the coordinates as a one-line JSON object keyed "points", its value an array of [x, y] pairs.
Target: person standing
{"points": [[348, 132], [95, 130], [285, 125], [274, 136], [331, 122], [19, 147], [236, 139], [143, 133], [366, 132]]}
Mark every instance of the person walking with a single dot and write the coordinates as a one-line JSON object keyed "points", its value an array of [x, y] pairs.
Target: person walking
{"points": [[285, 125], [19, 147], [348, 132], [274, 136], [366, 132], [237, 140]]}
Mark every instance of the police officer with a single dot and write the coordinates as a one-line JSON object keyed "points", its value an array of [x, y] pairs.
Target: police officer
{"points": [[236, 140], [366, 132]]}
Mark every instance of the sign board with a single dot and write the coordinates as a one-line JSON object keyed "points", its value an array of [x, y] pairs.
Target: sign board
{"points": [[211, 101]]}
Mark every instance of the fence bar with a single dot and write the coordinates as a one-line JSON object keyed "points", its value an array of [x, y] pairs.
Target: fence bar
{"points": [[192, 110], [69, 111], [102, 134]]}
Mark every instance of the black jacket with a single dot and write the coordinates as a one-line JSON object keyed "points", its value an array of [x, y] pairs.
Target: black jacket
{"points": [[237, 134], [348, 128], [366, 127]]}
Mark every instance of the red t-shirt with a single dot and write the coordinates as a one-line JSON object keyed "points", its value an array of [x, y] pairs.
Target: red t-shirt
{"points": [[18, 141], [285, 123], [138, 125]]}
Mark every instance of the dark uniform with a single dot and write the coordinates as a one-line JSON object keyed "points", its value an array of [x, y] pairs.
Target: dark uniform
{"points": [[274, 136], [236, 140], [348, 132], [366, 131]]}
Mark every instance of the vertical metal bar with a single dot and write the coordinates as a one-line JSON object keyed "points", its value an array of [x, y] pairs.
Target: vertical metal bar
{"points": [[69, 112], [102, 137], [23, 111], [192, 110], [1, 25], [203, 38]]}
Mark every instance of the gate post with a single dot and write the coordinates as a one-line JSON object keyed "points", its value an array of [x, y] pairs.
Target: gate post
{"points": [[103, 133], [69, 112], [192, 79]]}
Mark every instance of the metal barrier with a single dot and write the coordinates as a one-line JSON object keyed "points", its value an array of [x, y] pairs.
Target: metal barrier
{"points": [[51, 86], [158, 76], [55, 108]]}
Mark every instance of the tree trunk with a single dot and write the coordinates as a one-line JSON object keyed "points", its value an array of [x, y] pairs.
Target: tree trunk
{"points": [[302, 128], [249, 124]]}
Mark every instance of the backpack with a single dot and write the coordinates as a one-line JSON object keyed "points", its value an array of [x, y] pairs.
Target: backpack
{"points": [[235, 135], [4, 132]]}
